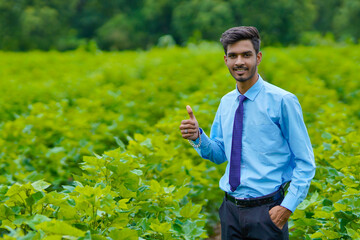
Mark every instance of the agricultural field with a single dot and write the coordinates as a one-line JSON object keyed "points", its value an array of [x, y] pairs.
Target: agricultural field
{"points": [[90, 146]]}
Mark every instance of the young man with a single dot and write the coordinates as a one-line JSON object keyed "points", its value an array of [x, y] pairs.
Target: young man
{"points": [[259, 130]]}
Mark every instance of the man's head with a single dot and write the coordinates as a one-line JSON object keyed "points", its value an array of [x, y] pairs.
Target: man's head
{"points": [[242, 54], [236, 34]]}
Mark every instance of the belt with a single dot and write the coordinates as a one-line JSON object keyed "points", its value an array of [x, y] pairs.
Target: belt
{"points": [[258, 201]]}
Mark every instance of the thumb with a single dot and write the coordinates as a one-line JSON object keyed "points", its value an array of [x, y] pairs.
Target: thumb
{"points": [[190, 112]]}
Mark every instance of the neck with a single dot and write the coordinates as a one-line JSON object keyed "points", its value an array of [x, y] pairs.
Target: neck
{"points": [[244, 86]]}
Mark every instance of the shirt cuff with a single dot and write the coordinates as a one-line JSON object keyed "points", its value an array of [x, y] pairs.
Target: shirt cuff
{"points": [[197, 140], [290, 202]]}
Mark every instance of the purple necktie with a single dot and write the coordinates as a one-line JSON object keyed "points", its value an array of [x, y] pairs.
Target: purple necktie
{"points": [[235, 160]]}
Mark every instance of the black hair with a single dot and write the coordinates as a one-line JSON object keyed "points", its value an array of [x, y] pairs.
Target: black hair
{"points": [[235, 34]]}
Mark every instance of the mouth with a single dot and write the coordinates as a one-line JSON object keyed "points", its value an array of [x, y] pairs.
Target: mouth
{"points": [[240, 70]]}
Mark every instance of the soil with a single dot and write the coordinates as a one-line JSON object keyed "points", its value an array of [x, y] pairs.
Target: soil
{"points": [[217, 233]]}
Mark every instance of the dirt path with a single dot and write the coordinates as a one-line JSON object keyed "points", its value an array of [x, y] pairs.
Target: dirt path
{"points": [[217, 233]]}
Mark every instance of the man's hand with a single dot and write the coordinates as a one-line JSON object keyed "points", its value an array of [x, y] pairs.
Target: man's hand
{"points": [[279, 215], [190, 128]]}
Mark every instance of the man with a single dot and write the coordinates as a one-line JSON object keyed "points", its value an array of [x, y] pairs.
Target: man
{"points": [[259, 130]]}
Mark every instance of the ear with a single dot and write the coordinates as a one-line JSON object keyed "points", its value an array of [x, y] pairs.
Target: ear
{"points": [[258, 58], [225, 59]]}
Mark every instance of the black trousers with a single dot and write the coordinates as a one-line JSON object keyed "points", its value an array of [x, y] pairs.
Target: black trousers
{"points": [[250, 223]]}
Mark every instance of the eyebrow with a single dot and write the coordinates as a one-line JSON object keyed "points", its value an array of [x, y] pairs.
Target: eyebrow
{"points": [[242, 53]]}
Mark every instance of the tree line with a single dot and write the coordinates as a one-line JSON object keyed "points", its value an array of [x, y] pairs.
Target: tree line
{"points": [[122, 24]]}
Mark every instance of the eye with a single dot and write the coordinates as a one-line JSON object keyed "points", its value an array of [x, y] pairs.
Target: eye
{"points": [[231, 56]]}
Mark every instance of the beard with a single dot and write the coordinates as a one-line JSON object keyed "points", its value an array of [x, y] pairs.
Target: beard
{"points": [[251, 72]]}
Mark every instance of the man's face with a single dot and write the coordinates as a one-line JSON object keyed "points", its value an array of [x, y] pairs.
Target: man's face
{"points": [[242, 60]]}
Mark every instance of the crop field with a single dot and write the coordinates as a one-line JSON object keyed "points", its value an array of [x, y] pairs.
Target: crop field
{"points": [[90, 146]]}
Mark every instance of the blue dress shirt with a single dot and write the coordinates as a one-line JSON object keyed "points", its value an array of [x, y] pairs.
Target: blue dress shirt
{"points": [[276, 145]]}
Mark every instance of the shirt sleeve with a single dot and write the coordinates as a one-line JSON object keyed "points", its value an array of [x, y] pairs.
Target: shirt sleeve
{"points": [[294, 130], [213, 148]]}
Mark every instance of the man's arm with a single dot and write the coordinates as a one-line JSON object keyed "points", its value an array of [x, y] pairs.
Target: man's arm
{"points": [[294, 130]]}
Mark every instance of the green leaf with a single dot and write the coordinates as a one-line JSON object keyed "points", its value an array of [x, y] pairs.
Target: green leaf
{"points": [[326, 135], [314, 197], [123, 234], [318, 234], [327, 146], [20, 220], [37, 196], [16, 209], [192, 230], [160, 227], [3, 189], [352, 233], [137, 172], [95, 236], [32, 236], [125, 193], [5, 212], [181, 193], [190, 210], [13, 190], [37, 219], [40, 185], [30, 201], [156, 187], [67, 188], [120, 143], [59, 227], [340, 207], [331, 234], [123, 203]]}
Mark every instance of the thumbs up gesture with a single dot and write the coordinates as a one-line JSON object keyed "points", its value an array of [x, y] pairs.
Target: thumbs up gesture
{"points": [[190, 128]]}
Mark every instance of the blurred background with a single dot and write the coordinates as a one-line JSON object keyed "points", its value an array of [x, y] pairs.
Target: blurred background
{"points": [[141, 24]]}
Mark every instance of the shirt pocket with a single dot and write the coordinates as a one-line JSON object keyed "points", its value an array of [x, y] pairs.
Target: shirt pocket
{"points": [[264, 138]]}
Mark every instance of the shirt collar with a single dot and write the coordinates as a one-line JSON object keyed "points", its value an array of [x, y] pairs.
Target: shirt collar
{"points": [[254, 90]]}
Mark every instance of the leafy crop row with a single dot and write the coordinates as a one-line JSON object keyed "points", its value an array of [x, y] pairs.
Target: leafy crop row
{"points": [[61, 111]]}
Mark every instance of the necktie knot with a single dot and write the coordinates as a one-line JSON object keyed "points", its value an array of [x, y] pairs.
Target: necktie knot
{"points": [[242, 98]]}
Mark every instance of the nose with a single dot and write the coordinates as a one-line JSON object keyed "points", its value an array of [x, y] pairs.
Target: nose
{"points": [[239, 60]]}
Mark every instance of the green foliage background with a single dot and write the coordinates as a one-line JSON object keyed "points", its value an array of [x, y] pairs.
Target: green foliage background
{"points": [[90, 146], [141, 24]]}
